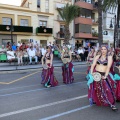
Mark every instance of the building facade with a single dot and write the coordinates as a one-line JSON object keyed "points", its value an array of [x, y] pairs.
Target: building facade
{"points": [[86, 24], [32, 21]]}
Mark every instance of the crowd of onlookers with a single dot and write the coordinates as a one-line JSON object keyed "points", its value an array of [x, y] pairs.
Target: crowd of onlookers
{"points": [[26, 53]]}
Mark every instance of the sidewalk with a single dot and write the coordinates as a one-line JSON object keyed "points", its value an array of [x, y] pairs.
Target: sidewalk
{"points": [[12, 67]]}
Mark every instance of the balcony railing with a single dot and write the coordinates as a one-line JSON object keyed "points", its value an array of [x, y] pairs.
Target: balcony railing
{"points": [[40, 30], [95, 20], [95, 5], [60, 35], [15, 28], [95, 34]]}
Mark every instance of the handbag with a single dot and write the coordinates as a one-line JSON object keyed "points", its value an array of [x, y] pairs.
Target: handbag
{"points": [[97, 76]]}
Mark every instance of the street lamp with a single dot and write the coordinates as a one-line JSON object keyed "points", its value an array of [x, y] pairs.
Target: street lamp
{"points": [[115, 30], [11, 30]]}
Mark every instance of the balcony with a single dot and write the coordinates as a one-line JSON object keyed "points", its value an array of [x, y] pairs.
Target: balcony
{"points": [[60, 35], [95, 35], [83, 4], [60, 5], [95, 21], [83, 20], [44, 31], [16, 29]]}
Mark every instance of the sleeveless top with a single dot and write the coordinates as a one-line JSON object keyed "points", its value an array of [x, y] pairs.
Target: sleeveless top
{"points": [[105, 62]]}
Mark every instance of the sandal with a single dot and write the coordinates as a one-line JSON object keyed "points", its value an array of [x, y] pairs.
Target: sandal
{"points": [[114, 108]]}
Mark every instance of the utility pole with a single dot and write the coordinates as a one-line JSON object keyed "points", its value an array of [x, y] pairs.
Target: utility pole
{"points": [[11, 30]]}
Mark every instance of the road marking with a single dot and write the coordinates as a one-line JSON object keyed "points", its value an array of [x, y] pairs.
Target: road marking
{"points": [[20, 87], [5, 95], [65, 113], [41, 106], [19, 78]]}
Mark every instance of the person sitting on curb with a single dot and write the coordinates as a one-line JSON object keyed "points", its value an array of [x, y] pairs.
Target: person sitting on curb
{"points": [[32, 54], [10, 55]]}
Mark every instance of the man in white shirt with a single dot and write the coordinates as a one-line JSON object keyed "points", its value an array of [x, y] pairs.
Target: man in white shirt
{"points": [[2, 50], [81, 53], [32, 54], [10, 55]]}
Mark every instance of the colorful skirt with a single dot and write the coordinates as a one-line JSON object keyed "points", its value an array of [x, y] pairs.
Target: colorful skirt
{"points": [[67, 73], [102, 93], [48, 77]]}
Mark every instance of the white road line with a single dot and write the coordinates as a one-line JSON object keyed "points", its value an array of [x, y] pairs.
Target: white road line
{"points": [[41, 106], [65, 113]]}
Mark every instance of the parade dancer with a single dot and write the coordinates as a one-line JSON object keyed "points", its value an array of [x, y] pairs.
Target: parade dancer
{"points": [[117, 75], [67, 68], [48, 78], [101, 92], [90, 58]]}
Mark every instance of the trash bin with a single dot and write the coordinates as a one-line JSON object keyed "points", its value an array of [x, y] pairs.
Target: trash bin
{"points": [[55, 52], [3, 57]]}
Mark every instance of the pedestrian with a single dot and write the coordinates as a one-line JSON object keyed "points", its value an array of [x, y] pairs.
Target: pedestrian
{"points": [[48, 78], [101, 85], [81, 53], [38, 54], [67, 68], [25, 57]]}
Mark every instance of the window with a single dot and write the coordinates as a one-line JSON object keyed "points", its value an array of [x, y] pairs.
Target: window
{"points": [[83, 29], [47, 6], [23, 22], [43, 23], [38, 3], [85, 13], [77, 28], [6, 21]]}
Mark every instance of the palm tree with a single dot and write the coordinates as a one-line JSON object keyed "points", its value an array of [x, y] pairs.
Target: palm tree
{"points": [[68, 14], [113, 4], [100, 10]]}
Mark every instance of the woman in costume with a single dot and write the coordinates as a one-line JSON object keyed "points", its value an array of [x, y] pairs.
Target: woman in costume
{"points": [[67, 68], [48, 78], [90, 58], [102, 92], [117, 76]]}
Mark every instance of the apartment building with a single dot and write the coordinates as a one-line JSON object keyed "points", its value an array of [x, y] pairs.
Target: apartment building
{"points": [[32, 21], [86, 24]]}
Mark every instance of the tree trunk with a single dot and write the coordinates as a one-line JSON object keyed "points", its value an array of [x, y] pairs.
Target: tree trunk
{"points": [[67, 35], [100, 32], [118, 24]]}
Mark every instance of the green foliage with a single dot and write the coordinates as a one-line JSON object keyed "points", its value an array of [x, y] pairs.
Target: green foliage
{"points": [[69, 12], [110, 4]]}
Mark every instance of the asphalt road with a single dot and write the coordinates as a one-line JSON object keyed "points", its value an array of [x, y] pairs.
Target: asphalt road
{"points": [[22, 97]]}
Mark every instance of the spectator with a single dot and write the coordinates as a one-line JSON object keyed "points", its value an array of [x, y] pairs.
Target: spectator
{"points": [[32, 54], [14, 47], [25, 57], [23, 46], [2, 50], [10, 55], [43, 51], [39, 55], [19, 54], [19, 44], [81, 53], [86, 53], [8, 45]]}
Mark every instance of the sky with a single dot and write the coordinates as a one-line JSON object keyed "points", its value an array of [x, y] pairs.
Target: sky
{"points": [[11, 2]]}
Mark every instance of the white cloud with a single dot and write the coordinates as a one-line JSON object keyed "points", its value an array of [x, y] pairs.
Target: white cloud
{"points": [[11, 2]]}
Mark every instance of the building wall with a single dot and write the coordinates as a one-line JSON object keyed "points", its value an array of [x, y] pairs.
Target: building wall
{"points": [[31, 13]]}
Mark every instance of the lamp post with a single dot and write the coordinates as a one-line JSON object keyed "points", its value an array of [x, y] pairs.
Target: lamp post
{"points": [[11, 30], [115, 30]]}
